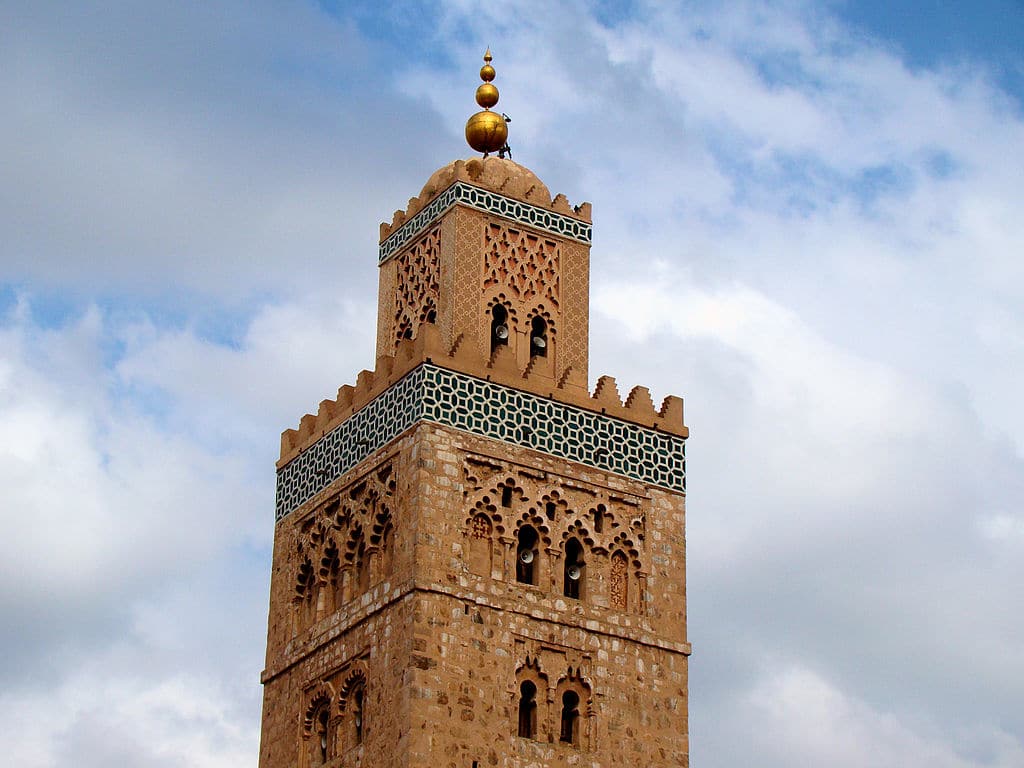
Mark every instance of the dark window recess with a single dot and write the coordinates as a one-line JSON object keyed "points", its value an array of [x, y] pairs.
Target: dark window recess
{"points": [[528, 710], [570, 717], [499, 327], [575, 570], [538, 337], [526, 556]]}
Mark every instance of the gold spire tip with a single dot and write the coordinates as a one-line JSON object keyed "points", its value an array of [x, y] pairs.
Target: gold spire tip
{"points": [[487, 131]]}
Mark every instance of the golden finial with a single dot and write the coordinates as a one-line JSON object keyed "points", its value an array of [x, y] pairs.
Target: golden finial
{"points": [[487, 131]]}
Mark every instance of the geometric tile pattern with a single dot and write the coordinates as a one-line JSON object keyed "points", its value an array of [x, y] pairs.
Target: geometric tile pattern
{"points": [[488, 409], [489, 202]]}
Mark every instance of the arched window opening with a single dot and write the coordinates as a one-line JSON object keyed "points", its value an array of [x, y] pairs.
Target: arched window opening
{"points": [[599, 518], [538, 337], [357, 715], [499, 327], [321, 736], [574, 570], [620, 581], [569, 732], [549, 510], [506, 496], [528, 710], [526, 556]]}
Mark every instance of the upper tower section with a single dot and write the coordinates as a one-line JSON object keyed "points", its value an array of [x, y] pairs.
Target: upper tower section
{"points": [[486, 254]]}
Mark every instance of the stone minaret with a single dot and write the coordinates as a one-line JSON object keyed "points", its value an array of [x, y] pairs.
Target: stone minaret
{"points": [[477, 561]]}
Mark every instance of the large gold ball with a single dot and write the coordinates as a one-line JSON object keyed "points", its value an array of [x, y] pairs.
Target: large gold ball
{"points": [[487, 95], [486, 131], [487, 73]]}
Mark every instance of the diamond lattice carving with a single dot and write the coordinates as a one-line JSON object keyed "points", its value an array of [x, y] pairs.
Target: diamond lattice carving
{"points": [[418, 285], [524, 264]]}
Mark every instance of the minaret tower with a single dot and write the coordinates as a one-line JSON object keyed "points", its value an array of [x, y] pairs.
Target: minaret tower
{"points": [[477, 561]]}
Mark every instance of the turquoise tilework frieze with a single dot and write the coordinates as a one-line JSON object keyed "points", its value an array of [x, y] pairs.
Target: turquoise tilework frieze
{"points": [[366, 431], [491, 410], [489, 202]]}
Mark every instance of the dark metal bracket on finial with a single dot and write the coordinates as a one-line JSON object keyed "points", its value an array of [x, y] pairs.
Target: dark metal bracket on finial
{"points": [[505, 150]]}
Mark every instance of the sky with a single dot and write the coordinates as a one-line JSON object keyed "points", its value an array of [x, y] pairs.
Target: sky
{"points": [[807, 222]]}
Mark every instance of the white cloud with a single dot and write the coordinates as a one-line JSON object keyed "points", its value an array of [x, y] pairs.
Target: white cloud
{"points": [[797, 718], [850, 357]]}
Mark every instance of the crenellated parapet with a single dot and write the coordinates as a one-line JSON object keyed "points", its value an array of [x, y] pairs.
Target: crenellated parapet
{"points": [[637, 408], [424, 382]]}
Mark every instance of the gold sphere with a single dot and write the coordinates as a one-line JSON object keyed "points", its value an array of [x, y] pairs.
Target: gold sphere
{"points": [[487, 95], [487, 73], [486, 131]]}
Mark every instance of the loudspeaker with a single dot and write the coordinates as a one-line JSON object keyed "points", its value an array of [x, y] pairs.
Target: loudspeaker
{"points": [[574, 572], [501, 331], [526, 556]]}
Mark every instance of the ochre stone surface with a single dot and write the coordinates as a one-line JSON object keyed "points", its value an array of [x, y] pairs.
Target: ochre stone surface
{"points": [[443, 633], [406, 626]]}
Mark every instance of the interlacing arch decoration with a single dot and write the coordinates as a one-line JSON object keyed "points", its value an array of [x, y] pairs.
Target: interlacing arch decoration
{"points": [[524, 263], [553, 505], [304, 602], [335, 547], [418, 285], [330, 597], [578, 530], [357, 557], [381, 543]]}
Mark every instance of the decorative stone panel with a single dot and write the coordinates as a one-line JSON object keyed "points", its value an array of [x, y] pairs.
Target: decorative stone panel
{"points": [[418, 285], [526, 265]]}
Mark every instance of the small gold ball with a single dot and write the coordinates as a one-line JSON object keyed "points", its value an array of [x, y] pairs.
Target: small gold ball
{"points": [[486, 131], [487, 73], [487, 95]]}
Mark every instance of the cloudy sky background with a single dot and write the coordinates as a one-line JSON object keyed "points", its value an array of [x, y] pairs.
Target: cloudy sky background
{"points": [[808, 222]]}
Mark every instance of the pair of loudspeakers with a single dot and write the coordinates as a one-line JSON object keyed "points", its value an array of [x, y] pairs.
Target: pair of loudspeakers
{"points": [[501, 333]]}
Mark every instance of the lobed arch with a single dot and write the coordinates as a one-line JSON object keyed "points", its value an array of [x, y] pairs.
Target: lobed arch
{"points": [[352, 701], [573, 702], [553, 504], [531, 699], [318, 743]]}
